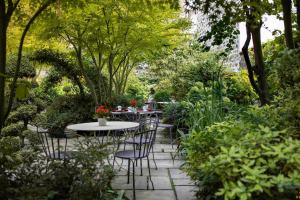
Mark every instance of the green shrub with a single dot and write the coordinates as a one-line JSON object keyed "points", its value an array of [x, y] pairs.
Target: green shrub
{"points": [[27, 174], [14, 129], [27, 69], [241, 160], [68, 109], [239, 89], [177, 113], [260, 165], [23, 113], [205, 69], [162, 95]]}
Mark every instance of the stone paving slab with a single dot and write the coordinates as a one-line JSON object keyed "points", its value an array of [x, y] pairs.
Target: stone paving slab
{"points": [[154, 172], [160, 183], [183, 182], [152, 194], [186, 192], [177, 173], [164, 148], [160, 163]]}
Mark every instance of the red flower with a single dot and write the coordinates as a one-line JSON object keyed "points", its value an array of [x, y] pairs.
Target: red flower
{"points": [[101, 111], [133, 102]]}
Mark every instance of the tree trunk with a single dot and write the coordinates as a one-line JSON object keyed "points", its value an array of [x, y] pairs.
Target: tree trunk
{"points": [[110, 71], [287, 19], [3, 28], [87, 79], [245, 51], [298, 14], [259, 64]]}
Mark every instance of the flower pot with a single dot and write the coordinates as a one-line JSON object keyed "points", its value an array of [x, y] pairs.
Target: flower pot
{"points": [[102, 121]]}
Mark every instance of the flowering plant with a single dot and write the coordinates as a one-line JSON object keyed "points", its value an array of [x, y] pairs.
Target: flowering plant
{"points": [[102, 112], [133, 103]]}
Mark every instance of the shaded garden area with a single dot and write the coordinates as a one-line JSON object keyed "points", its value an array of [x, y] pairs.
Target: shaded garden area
{"points": [[235, 129]]}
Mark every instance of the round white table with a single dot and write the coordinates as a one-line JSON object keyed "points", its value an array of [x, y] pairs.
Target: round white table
{"points": [[111, 126]]}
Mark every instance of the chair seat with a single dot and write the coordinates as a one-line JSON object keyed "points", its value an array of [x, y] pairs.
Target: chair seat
{"points": [[165, 125], [137, 140], [129, 154]]}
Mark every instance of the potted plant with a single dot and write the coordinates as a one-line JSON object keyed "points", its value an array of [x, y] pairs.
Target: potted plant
{"points": [[133, 104], [102, 113]]}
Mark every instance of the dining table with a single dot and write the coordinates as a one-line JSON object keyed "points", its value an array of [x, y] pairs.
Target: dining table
{"points": [[111, 126]]}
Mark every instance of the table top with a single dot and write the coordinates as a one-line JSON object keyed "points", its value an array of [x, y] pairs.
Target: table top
{"points": [[94, 126]]}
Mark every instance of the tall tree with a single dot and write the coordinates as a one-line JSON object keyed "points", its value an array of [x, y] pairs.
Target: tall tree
{"points": [[112, 37], [8, 9]]}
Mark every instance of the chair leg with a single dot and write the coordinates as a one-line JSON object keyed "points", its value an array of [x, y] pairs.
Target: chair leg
{"points": [[171, 136], [141, 161], [154, 159], [148, 162], [128, 172], [133, 179], [114, 162]]}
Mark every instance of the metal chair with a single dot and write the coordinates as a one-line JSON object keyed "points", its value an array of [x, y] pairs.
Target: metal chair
{"points": [[54, 146], [145, 124], [142, 144]]}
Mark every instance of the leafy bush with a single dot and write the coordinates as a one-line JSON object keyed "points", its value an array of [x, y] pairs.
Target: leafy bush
{"points": [[239, 159], [205, 70], [162, 95], [289, 61], [177, 113], [68, 109], [23, 113], [27, 70], [14, 129], [27, 174], [261, 165], [238, 88]]}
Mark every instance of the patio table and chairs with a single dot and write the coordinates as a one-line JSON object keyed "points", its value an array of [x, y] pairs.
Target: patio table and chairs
{"points": [[138, 139]]}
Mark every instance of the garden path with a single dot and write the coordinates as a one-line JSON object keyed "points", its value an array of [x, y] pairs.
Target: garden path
{"points": [[170, 182]]}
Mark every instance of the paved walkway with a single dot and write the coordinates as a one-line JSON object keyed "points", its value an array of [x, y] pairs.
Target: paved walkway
{"points": [[170, 183]]}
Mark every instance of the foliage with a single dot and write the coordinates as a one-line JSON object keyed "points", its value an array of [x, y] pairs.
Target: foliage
{"points": [[68, 109], [26, 174], [245, 161], [23, 113], [27, 69], [177, 113], [136, 87], [162, 95], [63, 66], [183, 67], [287, 68], [238, 88], [111, 38]]}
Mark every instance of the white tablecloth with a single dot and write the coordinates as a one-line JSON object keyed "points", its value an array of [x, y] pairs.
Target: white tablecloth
{"points": [[94, 126]]}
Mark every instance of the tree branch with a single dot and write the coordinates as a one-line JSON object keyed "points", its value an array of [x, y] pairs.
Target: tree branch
{"points": [[14, 82]]}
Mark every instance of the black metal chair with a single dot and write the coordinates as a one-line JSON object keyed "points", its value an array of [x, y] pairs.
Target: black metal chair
{"points": [[54, 146], [145, 124], [142, 144]]}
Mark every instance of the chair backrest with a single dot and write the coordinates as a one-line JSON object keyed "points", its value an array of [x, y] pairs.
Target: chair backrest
{"points": [[144, 141], [53, 147]]}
